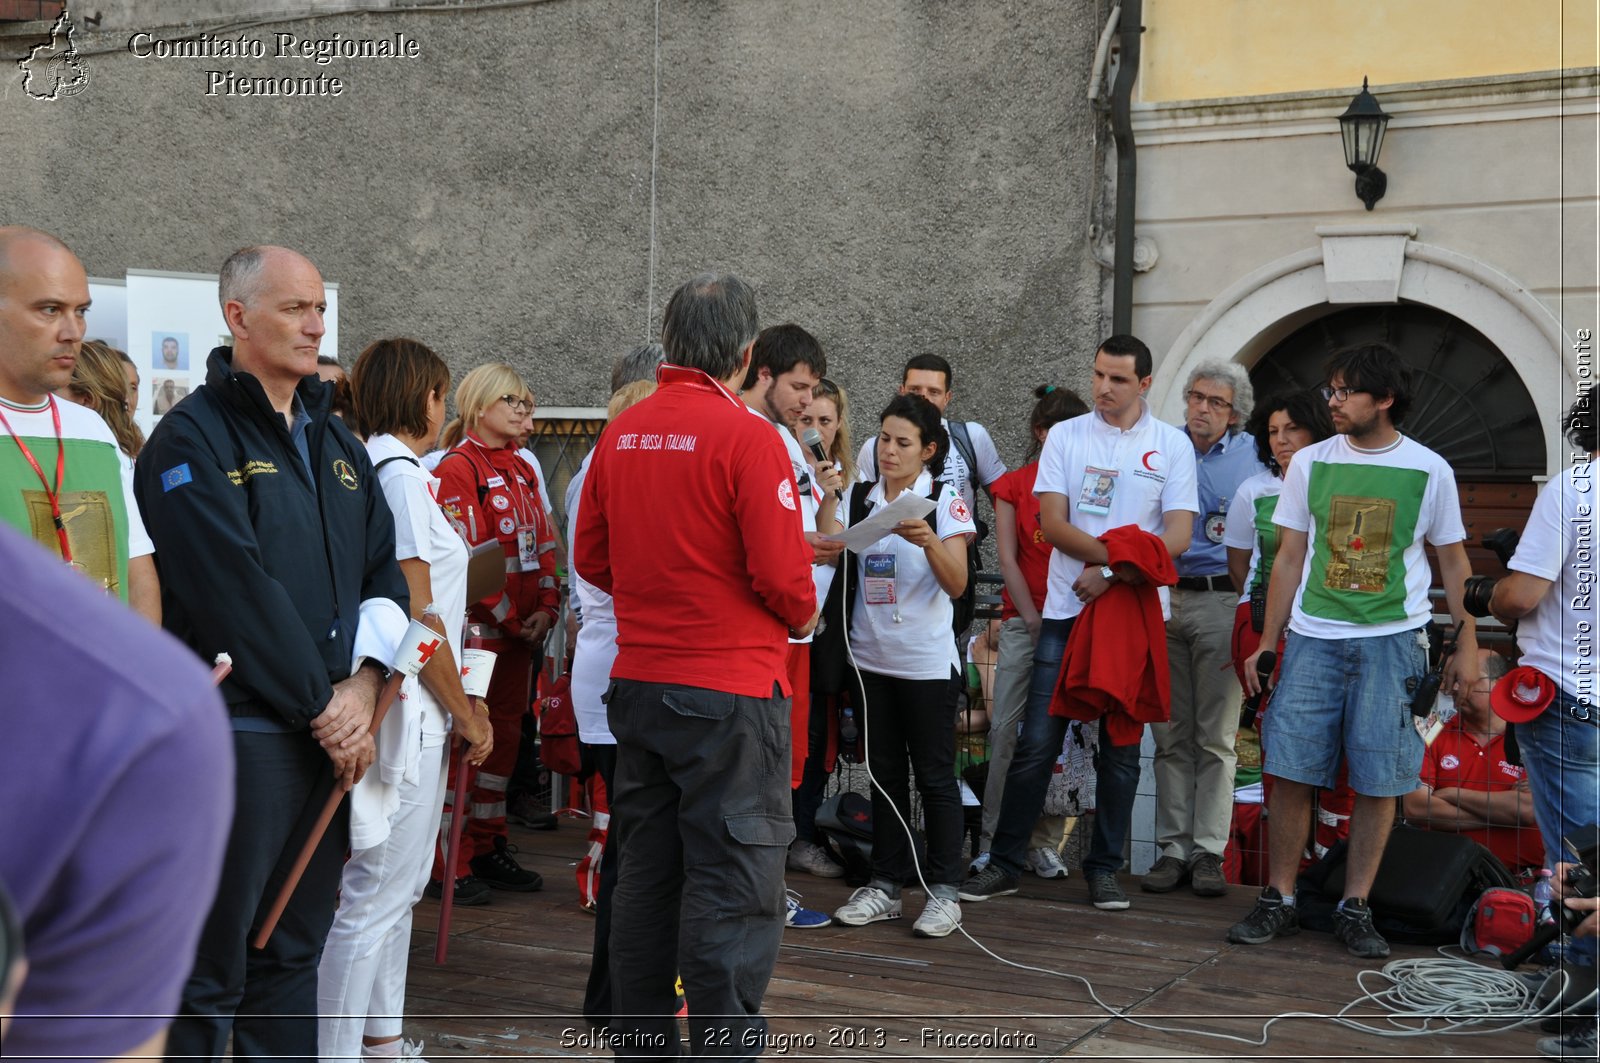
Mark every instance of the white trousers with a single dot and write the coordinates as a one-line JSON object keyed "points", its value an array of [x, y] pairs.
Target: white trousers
{"points": [[361, 982]]}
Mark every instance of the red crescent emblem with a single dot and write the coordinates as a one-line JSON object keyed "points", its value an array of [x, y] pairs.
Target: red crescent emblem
{"points": [[1145, 460]]}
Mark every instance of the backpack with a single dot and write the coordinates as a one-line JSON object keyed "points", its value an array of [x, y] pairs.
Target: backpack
{"points": [[558, 730], [844, 829]]}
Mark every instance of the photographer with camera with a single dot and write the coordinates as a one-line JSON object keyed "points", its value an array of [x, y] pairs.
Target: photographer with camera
{"points": [[1549, 594]]}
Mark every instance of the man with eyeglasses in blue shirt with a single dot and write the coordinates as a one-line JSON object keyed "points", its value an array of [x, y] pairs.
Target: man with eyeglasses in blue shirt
{"points": [[1194, 759]]}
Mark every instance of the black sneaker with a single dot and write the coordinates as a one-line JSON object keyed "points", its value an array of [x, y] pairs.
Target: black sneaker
{"points": [[1352, 925], [992, 881], [470, 891], [1269, 919], [501, 872], [1104, 893], [1577, 1043]]}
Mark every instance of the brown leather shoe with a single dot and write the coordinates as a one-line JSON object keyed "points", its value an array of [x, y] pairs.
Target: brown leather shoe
{"points": [[1205, 876], [1166, 875]]}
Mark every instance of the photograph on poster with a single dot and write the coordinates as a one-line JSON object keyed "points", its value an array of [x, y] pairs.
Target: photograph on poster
{"points": [[167, 391], [169, 351]]}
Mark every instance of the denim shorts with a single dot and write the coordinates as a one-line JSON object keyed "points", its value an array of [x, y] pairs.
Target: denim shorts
{"points": [[1350, 697]]}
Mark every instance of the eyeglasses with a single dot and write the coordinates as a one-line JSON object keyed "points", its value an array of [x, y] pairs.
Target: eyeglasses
{"points": [[1331, 393], [517, 405], [1216, 402]]}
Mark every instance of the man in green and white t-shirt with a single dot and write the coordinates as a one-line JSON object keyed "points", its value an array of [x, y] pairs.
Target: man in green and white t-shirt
{"points": [[62, 479], [1351, 581]]}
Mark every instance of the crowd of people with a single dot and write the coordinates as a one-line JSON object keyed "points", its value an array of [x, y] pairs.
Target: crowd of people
{"points": [[293, 524]]}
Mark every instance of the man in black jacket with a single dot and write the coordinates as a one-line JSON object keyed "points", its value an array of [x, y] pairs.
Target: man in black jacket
{"points": [[276, 547]]}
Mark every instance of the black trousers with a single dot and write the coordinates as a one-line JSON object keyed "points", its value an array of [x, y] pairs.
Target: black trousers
{"points": [[597, 994], [911, 725], [266, 999], [702, 820]]}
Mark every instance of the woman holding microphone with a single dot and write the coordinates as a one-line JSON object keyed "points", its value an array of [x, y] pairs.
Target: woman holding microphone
{"points": [[901, 640]]}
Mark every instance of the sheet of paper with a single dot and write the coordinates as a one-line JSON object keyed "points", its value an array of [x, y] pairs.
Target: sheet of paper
{"points": [[906, 506]]}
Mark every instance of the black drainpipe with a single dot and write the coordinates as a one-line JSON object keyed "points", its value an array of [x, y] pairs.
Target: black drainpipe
{"points": [[1127, 167]]}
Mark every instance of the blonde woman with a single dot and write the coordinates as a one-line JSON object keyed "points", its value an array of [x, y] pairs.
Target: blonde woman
{"points": [[829, 414], [491, 493], [100, 383]]}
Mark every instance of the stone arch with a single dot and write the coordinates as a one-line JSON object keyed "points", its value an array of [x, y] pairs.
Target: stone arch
{"points": [[1356, 265]]}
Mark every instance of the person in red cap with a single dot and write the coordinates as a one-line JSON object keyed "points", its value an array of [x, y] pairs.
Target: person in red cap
{"points": [[1549, 595], [1470, 786]]}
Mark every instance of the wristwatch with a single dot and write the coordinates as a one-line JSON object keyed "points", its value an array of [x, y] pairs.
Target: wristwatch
{"points": [[1107, 575]]}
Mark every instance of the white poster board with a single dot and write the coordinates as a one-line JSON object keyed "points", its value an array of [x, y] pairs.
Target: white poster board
{"points": [[173, 322], [108, 313]]}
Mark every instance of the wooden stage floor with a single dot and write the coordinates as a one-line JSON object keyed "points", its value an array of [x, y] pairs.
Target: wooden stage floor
{"points": [[514, 983]]}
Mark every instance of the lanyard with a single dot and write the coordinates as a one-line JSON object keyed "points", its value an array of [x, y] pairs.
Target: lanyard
{"points": [[54, 495], [521, 497]]}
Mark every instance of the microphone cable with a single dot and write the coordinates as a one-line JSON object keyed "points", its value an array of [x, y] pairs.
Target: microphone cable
{"points": [[1465, 997]]}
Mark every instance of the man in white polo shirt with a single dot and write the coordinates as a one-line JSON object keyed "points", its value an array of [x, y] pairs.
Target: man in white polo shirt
{"points": [[1113, 466], [1351, 581]]}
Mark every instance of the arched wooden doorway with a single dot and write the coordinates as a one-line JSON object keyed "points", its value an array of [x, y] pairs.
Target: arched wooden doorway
{"points": [[1470, 404]]}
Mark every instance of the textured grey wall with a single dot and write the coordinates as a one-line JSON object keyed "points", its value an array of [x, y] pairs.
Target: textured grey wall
{"points": [[897, 177]]}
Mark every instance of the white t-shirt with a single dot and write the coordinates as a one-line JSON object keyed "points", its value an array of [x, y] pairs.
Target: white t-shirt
{"points": [[596, 648], [1366, 515], [1558, 636], [80, 422], [1249, 524], [893, 579], [808, 497], [1112, 478], [990, 467], [538, 474], [422, 531]]}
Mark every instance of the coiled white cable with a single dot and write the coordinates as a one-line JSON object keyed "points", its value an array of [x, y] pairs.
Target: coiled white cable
{"points": [[1424, 997]]}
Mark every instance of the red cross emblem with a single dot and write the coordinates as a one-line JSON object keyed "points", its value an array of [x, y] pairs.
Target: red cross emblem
{"points": [[425, 650]]}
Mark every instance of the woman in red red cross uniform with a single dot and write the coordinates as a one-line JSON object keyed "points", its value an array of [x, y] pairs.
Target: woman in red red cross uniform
{"points": [[492, 493]]}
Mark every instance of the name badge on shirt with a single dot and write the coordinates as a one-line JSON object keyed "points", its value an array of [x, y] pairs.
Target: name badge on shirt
{"points": [[1099, 488], [495, 481], [877, 581], [528, 548]]}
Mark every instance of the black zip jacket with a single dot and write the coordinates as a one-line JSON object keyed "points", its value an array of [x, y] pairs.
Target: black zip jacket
{"points": [[256, 560]]}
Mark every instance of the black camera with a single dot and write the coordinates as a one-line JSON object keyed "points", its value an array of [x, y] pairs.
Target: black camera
{"points": [[1425, 691], [1582, 846], [1479, 589]]}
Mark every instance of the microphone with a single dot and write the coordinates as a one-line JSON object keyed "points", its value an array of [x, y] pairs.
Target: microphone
{"points": [[813, 439]]}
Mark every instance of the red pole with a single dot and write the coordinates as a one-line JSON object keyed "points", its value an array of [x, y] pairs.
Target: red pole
{"points": [[458, 819]]}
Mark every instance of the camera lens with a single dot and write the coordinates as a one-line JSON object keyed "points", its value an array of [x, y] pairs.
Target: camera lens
{"points": [[1476, 594]]}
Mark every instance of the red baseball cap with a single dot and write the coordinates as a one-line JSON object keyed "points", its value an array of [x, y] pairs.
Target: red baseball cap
{"points": [[1521, 694]]}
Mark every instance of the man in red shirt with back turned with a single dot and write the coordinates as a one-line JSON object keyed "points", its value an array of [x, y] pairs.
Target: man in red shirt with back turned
{"points": [[688, 520]]}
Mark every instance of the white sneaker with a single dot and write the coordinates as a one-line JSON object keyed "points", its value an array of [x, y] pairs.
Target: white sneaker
{"points": [[868, 905], [812, 859], [939, 917], [1046, 863], [412, 1050]]}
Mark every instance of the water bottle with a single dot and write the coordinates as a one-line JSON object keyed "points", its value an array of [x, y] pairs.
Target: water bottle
{"points": [[1543, 894], [848, 735]]}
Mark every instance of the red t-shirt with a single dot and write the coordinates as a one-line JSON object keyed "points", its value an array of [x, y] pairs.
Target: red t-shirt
{"points": [[1456, 759], [1033, 553]]}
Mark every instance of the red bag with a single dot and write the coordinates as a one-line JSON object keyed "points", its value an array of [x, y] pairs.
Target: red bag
{"points": [[558, 730], [1501, 922]]}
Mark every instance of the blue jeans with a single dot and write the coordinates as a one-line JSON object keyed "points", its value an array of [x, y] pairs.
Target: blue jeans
{"points": [[1347, 697], [1561, 750], [1037, 749]]}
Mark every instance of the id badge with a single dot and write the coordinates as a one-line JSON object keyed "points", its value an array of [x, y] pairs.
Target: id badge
{"points": [[878, 579], [528, 548], [1098, 490]]}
